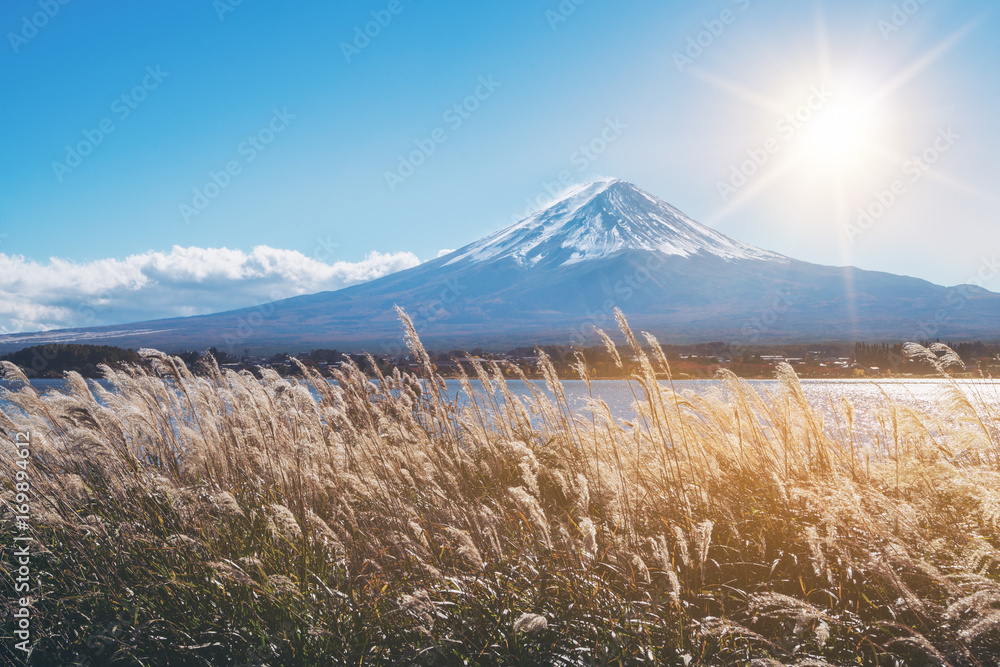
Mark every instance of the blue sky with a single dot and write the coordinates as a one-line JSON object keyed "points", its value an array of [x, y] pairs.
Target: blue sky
{"points": [[308, 130]]}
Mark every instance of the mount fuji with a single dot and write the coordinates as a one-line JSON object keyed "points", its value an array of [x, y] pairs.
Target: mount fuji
{"points": [[557, 274]]}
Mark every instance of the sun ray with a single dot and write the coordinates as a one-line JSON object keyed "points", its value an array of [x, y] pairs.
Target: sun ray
{"points": [[757, 186], [735, 89], [900, 159], [925, 61], [823, 44], [847, 257], [850, 148], [959, 186]]}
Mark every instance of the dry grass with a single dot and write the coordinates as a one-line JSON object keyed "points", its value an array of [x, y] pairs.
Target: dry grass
{"points": [[218, 519]]}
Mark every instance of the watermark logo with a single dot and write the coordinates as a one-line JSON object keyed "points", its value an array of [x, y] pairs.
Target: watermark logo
{"points": [[223, 7], [589, 152], [619, 295], [914, 169], [702, 41], [248, 150], [900, 16], [30, 25], [455, 116], [432, 311], [958, 297], [787, 127], [582, 158], [247, 325], [765, 321], [325, 248], [562, 12], [365, 34], [122, 107], [22, 541]]}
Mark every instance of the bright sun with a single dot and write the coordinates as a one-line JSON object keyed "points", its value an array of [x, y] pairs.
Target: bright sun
{"points": [[841, 133], [844, 148], [845, 127]]}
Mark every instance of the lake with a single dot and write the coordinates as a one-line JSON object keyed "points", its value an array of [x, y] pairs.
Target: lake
{"points": [[866, 395]]}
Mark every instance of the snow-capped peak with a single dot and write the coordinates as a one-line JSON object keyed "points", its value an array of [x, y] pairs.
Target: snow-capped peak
{"points": [[603, 218]]}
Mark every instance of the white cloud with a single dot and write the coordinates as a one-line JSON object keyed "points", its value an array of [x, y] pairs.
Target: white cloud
{"points": [[446, 251], [36, 296]]}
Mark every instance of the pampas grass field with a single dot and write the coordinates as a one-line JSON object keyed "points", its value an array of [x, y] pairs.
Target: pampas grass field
{"points": [[220, 519]]}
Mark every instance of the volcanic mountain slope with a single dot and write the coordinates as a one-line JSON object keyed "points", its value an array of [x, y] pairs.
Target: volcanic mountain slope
{"points": [[554, 276]]}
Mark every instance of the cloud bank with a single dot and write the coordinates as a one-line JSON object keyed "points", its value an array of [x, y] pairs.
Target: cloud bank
{"points": [[37, 296]]}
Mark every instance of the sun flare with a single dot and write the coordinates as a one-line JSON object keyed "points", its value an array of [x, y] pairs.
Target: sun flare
{"points": [[842, 133], [845, 130]]}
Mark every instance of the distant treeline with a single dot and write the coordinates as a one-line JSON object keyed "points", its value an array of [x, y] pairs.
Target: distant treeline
{"points": [[51, 361], [883, 355]]}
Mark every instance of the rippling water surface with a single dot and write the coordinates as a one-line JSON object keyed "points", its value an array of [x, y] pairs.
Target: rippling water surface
{"points": [[866, 395]]}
